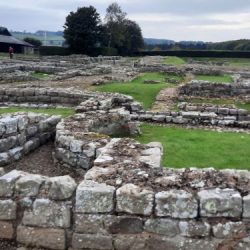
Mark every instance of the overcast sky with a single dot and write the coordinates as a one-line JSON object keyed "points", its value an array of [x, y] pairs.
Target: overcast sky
{"points": [[207, 20]]}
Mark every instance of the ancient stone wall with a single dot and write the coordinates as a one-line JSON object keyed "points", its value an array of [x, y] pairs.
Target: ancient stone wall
{"points": [[47, 97], [222, 117], [24, 132], [208, 89], [126, 202]]}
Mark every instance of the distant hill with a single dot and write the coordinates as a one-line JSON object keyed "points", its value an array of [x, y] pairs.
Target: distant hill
{"points": [[155, 41]]}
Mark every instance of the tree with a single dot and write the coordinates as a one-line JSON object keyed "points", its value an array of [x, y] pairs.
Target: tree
{"points": [[37, 43], [133, 37], [82, 30], [122, 34]]}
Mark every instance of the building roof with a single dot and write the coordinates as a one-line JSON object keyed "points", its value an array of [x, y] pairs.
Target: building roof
{"points": [[13, 40]]}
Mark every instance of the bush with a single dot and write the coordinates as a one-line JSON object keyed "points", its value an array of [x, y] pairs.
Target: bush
{"points": [[196, 53], [53, 50]]}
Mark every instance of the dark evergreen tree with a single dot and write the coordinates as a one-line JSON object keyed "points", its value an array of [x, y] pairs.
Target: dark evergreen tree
{"points": [[37, 43], [82, 30]]}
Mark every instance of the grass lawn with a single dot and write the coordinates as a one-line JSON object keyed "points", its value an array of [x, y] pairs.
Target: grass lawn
{"points": [[174, 60], [64, 112], [40, 75], [217, 79], [144, 93], [239, 105], [199, 148]]}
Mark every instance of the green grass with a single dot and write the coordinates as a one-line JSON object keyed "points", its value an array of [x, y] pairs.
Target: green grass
{"points": [[199, 148], [64, 112], [40, 75], [239, 105], [144, 93], [174, 60], [217, 79]]}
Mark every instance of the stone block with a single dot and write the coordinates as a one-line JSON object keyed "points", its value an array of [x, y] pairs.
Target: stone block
{"points": [[229, 230], [92, 223], [124, 225], [220, 203], [134, 200], [42, 237], [7, 143], [4, 160], [93, 197], [7, 183], [62, 187], [31, 145], [7, 210], [194, 228], [246, 207], [16, 153], [47, 213], [92, 241], [6, 230], [162, 226], [10, 124], [29, 185], [130, 242], [176, 204]]}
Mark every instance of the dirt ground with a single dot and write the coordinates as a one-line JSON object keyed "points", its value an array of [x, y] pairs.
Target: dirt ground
{"points": [[41, 162]]}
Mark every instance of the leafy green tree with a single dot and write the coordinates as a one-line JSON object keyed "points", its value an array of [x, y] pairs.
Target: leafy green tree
{"points": [[37, 43], [121, 33], [82, 30]]}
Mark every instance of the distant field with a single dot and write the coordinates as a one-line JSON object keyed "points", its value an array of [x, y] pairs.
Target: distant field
{"points": [[199, 148]]}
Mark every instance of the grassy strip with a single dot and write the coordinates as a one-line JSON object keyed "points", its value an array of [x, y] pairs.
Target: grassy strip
{"points": [[174, 60], [144, 93], [64, 112], [40, 75], [217, 79], [199, 148]]}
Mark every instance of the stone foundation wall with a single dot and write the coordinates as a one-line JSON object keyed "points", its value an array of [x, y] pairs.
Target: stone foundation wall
{"points": [[222, 117], [208, 89], [24, 132], [57, 213], [63, 97]]}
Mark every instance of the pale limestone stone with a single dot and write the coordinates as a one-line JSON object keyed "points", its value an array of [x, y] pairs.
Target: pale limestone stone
{"points": [[134, 200], [93, 197]]}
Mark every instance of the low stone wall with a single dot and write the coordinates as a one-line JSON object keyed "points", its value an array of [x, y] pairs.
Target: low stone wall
{"points": [[65, 97], [21, 133], [208, 89], [126, 201], [223, 117], [78, 138]]}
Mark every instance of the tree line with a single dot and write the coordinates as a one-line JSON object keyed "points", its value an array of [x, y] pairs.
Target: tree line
{"points": [[86, 33]]}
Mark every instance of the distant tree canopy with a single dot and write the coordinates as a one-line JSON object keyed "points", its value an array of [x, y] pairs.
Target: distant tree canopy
{"points": [[123, 34], [37, 43], [84, 32]]}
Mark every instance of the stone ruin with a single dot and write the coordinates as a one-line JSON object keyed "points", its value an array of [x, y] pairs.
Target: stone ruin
{"points": [[125, 200]]}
